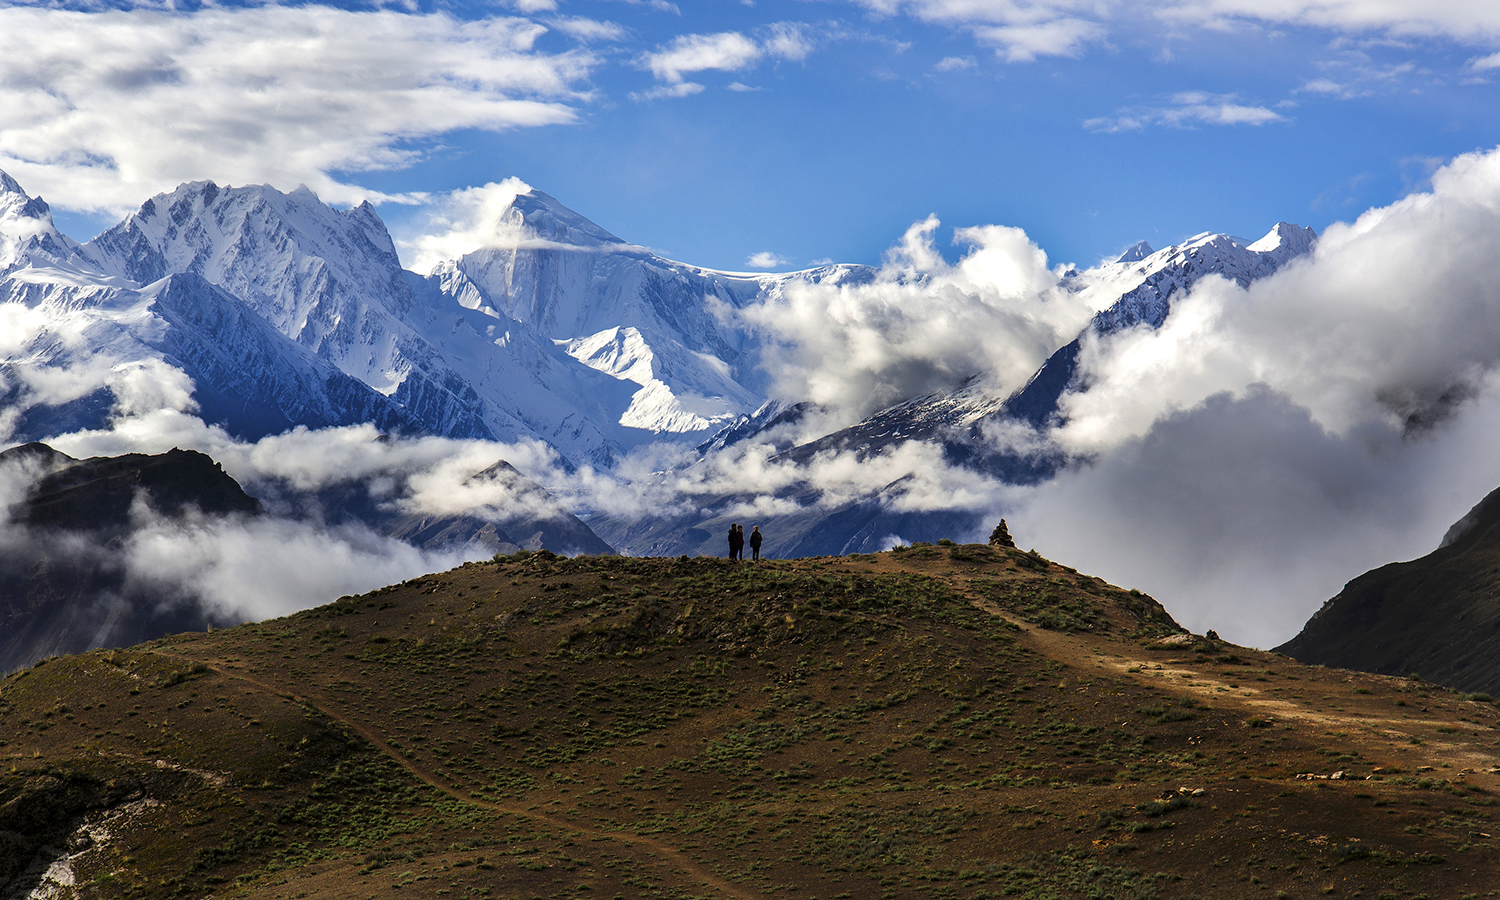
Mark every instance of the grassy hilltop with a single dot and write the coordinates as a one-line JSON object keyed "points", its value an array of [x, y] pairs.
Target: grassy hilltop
{"points": [[938, 722]]}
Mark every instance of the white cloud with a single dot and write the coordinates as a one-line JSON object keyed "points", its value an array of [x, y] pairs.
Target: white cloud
{"points": [[1269, 443], [1025, 31], [464, 221], [103, 108], [1486, 63], [765, 260], [1356, 76], [728, 51], [1390, 315], [787, 40], [1058, 37], [669, 91], [588, 30], [1186, 110], [921, 325]]}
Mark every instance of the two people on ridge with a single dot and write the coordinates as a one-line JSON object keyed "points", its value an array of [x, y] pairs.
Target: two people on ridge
{"points": [[737, 542]]}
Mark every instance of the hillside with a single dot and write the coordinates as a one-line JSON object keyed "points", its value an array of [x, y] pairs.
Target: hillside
{"points": [[1437, 617], [936, 721]]}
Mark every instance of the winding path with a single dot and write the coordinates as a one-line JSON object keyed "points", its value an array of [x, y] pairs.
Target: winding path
{"points": [[671, 854]]}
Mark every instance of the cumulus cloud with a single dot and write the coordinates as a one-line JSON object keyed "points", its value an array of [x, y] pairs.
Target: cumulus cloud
{"points": [[1186, 110], [463, 221], [1269, 443], [103, 108], [922, 324], [1392, 318]]}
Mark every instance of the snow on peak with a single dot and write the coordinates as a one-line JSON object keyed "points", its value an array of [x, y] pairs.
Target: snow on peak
{"points": [[1291, 240], [540, 215], [1137, 253], [26, 230]]}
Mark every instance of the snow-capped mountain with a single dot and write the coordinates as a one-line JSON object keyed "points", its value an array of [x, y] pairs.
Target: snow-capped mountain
{"points": [[26, 229], [277, 310], [557, 331], [621, 310]]}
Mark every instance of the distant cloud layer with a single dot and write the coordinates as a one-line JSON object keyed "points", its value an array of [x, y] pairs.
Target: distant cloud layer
{"points": [[1187, 110], [1022, 32], [104, 108], [922, 324]]}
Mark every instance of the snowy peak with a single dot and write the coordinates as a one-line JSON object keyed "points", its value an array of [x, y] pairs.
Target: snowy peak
{"points": [[540, 217], [1286, 240], [1137, 253], [1167, 272], [299, 263], [26, 230]]}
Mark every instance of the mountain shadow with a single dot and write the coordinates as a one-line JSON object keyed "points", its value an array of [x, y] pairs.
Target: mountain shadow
{"points": [[1437, 617]]}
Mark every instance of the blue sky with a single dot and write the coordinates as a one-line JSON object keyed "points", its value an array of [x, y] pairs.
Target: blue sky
{"points": [[796, 131]]}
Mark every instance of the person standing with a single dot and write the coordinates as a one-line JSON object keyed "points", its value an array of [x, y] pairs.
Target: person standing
{"points": [[734, 534], [755, 540], [739, 542]]}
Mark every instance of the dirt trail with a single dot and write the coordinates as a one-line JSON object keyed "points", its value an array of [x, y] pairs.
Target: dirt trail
{"points": [[1377, 734], [671, 854]]}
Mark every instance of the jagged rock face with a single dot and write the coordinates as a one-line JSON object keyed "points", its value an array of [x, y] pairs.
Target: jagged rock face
{"points": [[1437, 617]]}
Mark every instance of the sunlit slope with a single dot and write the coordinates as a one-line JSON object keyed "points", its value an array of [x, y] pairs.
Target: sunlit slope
{"points": [[939, 721]]}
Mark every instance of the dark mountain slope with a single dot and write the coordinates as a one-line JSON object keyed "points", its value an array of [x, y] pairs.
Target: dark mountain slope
{"points": [[947, 721], [62, 589], [1438, 616]]}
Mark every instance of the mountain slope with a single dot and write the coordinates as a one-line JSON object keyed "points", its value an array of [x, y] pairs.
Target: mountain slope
{"points": [[61, 587], [955, 721], [1437, 617]]}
